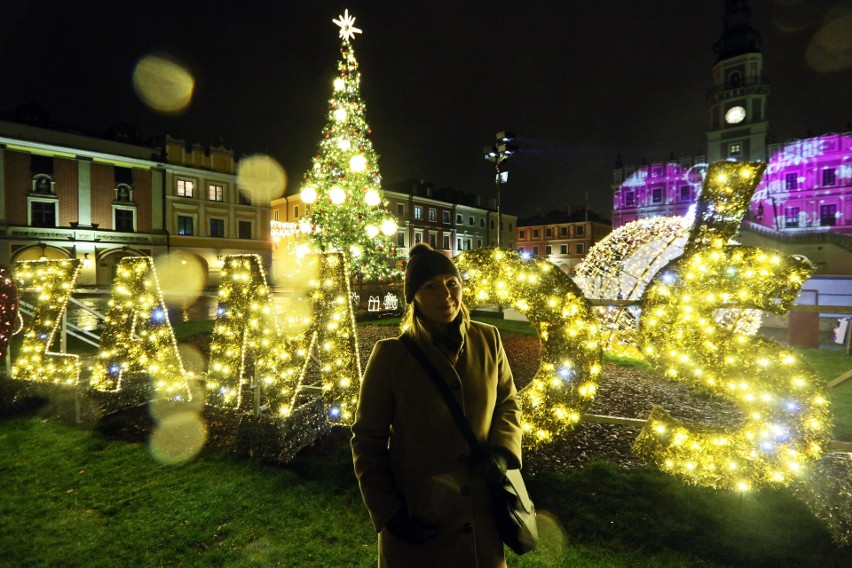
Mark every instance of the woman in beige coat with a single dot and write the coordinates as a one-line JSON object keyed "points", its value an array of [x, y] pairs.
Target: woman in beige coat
{"points": [[427, 495]]}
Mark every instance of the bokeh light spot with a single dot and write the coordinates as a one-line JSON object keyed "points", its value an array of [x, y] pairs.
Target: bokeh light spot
{"points": [[178, 437], [163, 83], [261, 178]]}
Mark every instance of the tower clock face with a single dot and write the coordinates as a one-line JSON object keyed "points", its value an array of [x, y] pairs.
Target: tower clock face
{"points": [[735, 115]]}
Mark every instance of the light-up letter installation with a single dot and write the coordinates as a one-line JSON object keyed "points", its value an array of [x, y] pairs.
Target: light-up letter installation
{"points": [[53, 281], [138, 347], [786, 420], [246, 331], [567, 378]]}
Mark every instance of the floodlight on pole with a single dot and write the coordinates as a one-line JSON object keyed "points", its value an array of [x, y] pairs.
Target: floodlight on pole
{"points": [[499, 153]]}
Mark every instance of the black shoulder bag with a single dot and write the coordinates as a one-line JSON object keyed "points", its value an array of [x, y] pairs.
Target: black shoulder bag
{"points": [[513, 508]]}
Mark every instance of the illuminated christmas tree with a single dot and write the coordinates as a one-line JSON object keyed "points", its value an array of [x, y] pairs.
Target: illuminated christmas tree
{"points": [[347, 212]]}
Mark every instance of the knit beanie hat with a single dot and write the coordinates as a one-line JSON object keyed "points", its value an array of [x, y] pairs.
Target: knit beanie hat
{"points": [[424, 263]]}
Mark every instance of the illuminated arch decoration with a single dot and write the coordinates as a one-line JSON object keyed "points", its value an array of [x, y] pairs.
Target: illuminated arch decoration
{"points": [[53, 281], [786, 409], [246, 330], [247, 341], [138, 346], [567, 378], [621, 266]]}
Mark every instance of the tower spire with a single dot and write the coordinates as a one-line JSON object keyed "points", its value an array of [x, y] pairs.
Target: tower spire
{"points": [[738, 37]]}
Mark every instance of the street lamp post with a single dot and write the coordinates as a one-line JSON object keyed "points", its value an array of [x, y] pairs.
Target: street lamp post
{"points": [[499, 153]]}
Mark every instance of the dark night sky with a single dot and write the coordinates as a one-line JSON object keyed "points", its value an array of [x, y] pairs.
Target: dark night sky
{"points": [[575, 80]]}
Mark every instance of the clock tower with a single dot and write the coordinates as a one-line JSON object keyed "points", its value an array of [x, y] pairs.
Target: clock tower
{"points": [[737, 101]]}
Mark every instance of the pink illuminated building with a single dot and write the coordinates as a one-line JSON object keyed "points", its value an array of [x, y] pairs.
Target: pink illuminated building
{"points": [[806, 190]]}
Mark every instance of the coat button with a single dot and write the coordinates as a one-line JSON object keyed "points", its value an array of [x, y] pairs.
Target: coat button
{"points": [[467, 528], [465, 491]]}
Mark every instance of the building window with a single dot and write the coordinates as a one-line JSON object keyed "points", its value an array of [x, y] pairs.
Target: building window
{"points": [[400, 210], [579, 230], [685, 193], [628, 199], [275, 215], [244, 229], [458, 244], [243, 197], [791, 217], [185, 188], [296, 212], [790, 181], [124, 219], [459, 220], [548, 250], [563, 231], [215, 192], [536, 233], [548, 232], [828, 177], [482, 222], [522, 234], [400, 238], [478, 243], [217, 227], [418, 237], [827, 215], [43, 213], [535, 251], [468, 243], [184, 225], [563, 249], [510, 226], [433, 240], [445, 217], [446, 242], [492, 223], [580, 248], [418, 212], [470, 221], [123, 193], [657, 195], [735, 149], [433, 214]]}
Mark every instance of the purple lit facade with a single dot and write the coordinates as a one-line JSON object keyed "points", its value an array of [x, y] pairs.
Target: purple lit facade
{"points": [[807, 187]]}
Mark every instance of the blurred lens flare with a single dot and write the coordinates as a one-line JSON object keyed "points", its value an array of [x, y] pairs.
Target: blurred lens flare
{"points": [[261, 178], [182, 277], [551, 535], [178, 437], [831, 47], [163, 83]]}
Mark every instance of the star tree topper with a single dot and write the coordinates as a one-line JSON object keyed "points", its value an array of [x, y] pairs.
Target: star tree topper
{"points": [[347, 26]]}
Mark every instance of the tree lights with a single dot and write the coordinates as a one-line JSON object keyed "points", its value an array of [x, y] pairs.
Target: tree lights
{"points": [[8, 308], [343, 187], [567, 379]]}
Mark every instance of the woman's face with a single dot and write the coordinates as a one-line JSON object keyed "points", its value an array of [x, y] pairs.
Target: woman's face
{"points": [[439, 299]]}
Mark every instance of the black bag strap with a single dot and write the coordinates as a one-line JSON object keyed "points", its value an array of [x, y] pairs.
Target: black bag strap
{"points": [[452, 403]]}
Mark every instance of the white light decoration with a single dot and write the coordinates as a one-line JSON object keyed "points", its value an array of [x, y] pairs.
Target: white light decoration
{"points": [[340, 114], [372, 198], [358, 163], [372, 231], [339, 84], [344, 144], [388, 227], [347, 26], [308, 194], [336, 195]]}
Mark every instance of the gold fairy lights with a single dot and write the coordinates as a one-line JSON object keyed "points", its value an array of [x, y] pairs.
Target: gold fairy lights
{"points": [[567, 379], [137, 342], [53, 282], [785, 407]]}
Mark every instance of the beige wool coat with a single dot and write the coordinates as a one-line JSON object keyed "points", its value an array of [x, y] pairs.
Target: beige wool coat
{"points": [[407, 450]]}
